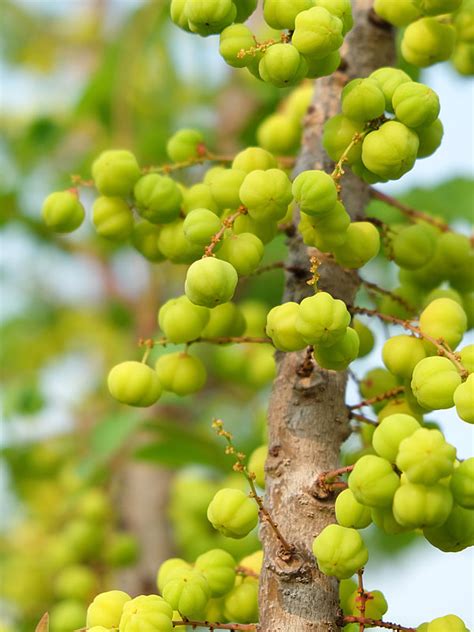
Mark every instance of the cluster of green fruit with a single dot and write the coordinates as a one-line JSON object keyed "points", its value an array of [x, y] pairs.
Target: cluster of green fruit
{"points": [[314, 33], [74, 526], [384, 148], [436, 30]]}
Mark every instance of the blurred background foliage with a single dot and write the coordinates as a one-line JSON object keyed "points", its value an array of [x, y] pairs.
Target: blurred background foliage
{"points": [[79, 77]]}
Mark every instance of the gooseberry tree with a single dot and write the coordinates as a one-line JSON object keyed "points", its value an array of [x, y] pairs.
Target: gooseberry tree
{"points": [[369, 122]]}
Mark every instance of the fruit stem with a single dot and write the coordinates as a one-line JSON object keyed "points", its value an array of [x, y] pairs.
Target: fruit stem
{"points": [[393, 392], [373, 287], [215, 626], [228, 222], [363, 419], [223, 340], [361, 597], [338, 171], [366, 622], [408, 210]]}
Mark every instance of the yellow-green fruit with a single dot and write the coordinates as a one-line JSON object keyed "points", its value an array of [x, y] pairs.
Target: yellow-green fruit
{"points": [[315, 192], [62, 211], [99, 628], [281, 15], [375, 605], [265, 230], [434, 382], [184, 145], [112, 218], [157, 198], [445, 319], [218, 567], [279, 133], [134, 383], [402, 353], [253, 562], [338, 133], [66, 615], [210, 282], [210, 16], [361, 244], [390, 151], [173, 244], [244, 251], [198, 196], [430, 138], [339, 355], [464, 400], [413, 247], [241, 603], [399, 406], [373, 481], [233, 39], [121, 549], [257, 464], [330, 230], [75, 582], [415, 104], [455, 534], [225, 320], [282, 65], [467, 357], [425, 457], [317, 32], [427, 41], [145, 240], [169, 568], [462, 484], [419, 506], [384, 519], [179, 14], [322, 319], [266, 194], [363, 100], [281, 327], [390, 433], [225, 185], [463, 58], [233, 513], [339, 551], [448, 623], [366, 337], [182, 321], [199, 226], [340, 8], [346, 590], [106, 609], [115, 172], [399, 13], [146, 613], [389, 79], [324, 66], [437, 7], [351, 513], [188, 592], [253, 158], [181, 373]]}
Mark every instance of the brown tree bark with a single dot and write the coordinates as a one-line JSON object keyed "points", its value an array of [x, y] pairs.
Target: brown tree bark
{"points": [[307, 416]]}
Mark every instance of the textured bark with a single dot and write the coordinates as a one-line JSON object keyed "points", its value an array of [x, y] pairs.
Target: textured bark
{"points": [[307, 416]]}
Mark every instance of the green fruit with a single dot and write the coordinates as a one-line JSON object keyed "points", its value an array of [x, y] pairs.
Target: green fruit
{"points": [[281, 327], [84, 537], [233, 39], [257, 464], [463, 21], [455, 534], [449, 623], [157, 198], [134, 383], [402, 353], [434, 382], [225, 185], [296, 104], [182, 321], [444, 319], [200, 225], [322, 319], [399, 406], [244, 251], [350, 513], [199, 196], [112, 218], [179, 14], [389, 79], [62, 211], [415, 104], [184, 145], [146, 613], [467, 357], [173, 244], [437, 7], [181, 373], [115, 172], [341, 9], [210, 16], [266, 194], [427, 42], [425, 457], [210, 282], [363, 100], [442, 293], [405, 308], [324, 66], [253, 158], [188, 592], [361, 244], [390, 432], [170, 567], [225, 320], [384, 519], [339, 355], [282, 65], [375, 382], [399, 13], [373, 481], [233, 513], [464, 400], [122, 549], [317, 32], [264, 230], [420, 506], [241, 603], [391, 151], [366, 337], [330, 229], [66, 615], [413, 247], [375, 605], [338, 133], [462, 484], [218, 567], [315, 192], [106, 609], [281, 15], [279, 134], [245, 8], [346, 589], [339, 551], [145, 240], [75, 582]]}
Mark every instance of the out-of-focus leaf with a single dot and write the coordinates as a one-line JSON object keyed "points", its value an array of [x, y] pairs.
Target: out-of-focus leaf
{"points": [[110, 435]]}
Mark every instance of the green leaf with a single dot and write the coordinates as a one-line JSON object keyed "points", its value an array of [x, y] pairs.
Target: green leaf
{"points": [[110, 435]]}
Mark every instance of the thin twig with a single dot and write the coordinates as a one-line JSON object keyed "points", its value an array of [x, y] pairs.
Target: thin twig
{"points": [[377, 623], [223, 340], [373, 287], [215, 626], [363, 419], [228, 222], [408, 210], [390, 394]]}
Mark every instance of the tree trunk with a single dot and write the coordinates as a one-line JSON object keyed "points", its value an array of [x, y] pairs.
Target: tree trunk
{"points": [[307, 416]]}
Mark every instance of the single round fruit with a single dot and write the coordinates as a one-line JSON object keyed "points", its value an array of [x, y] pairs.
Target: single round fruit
{"points": [[363, 100], [146, 613], [233, 39], [339, 355], [225, 185], [241, 603], [181, 373], [402, 353], [200, 225], [455, 534], [430, 138], [145, 240], [257, 464], [373, 481], [281, 327], [218, 567], [390, 433], [225, 320], [351, 513], [106, 609], [115, 172], [282, 65], [425, 457], [210, 282], [233, 513], [66, 615], [315, 192], [399, 13], [434, 382], [462, 484], [253, 158], [62, 211], [360, 245], [366, 337], [134, 383], [339, 551], [427, 41], [413, 247], [112, 218], [281, 15], [464, 400], [182, 321], [244, 251], [389, 78], [390, 151], [317, 32], [419, 506], [415, 104], [322, 319], [168, 569], [266, 194], [375, 605], [184, 145], [157, 198], [188, 592], [279, 133], [338, 133]]}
